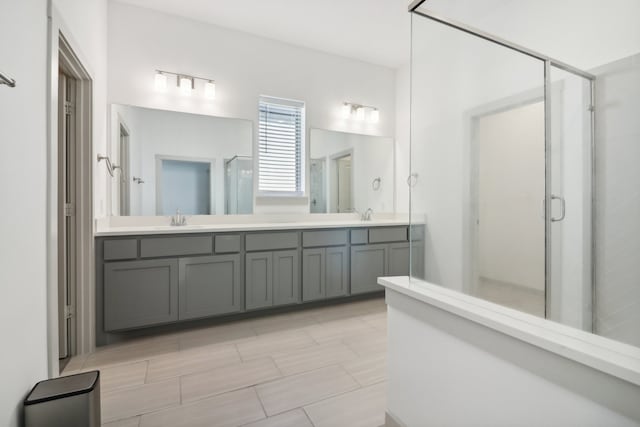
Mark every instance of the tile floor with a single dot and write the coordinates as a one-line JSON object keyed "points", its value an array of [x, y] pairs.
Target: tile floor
{"points": [[321, 367]]}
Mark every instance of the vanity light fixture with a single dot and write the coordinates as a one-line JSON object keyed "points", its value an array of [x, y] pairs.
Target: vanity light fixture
{"points": [[360, 112], [210, 89], [186, 83], [374, 117], [161, 81], [346, 110]]}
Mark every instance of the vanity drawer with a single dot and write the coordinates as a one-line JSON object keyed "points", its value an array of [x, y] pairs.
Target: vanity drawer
{"points": [[227, 243], [324, 238], [271, 241], [175, 246], [387, 234], [120, 249], [359, 236]]}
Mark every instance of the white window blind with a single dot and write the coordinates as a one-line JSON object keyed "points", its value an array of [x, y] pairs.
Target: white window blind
{"points": [[281, 146]]}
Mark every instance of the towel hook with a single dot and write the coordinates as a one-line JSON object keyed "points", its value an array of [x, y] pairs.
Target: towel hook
{"points": [[375, 184], [4, 80], [110, 166]]}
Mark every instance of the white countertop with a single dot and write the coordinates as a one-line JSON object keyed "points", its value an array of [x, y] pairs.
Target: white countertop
{"points": [[606, 355], [126, 226]]}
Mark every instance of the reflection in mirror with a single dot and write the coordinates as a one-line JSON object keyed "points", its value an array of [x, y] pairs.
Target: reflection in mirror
{"points": [[350, 172], [239, 185], [168, 160]]}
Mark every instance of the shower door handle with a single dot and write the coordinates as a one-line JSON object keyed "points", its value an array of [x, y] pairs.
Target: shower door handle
{"points": [[563, 207]]}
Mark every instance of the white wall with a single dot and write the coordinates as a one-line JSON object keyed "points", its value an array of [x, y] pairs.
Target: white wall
{"points": [[617, 216], [372, 157], [244, 67], [446, 370], [23, 156], [23, 169]]}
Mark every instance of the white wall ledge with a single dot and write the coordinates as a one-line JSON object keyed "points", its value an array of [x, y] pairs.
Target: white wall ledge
{"points": [[603, 354]]}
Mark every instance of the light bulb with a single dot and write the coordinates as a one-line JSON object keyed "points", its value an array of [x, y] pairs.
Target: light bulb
{"points": [[374, 116], [360, 113], [346, 110], [186, 85], [210, 89], [160, 82]]}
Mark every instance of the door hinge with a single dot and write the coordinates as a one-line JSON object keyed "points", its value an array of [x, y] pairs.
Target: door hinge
{"points": [[68, 312], [69, 209], [591, 108], [68, 107]]}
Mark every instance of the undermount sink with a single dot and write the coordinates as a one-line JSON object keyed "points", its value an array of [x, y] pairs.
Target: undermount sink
{"points": [[177, 227]]}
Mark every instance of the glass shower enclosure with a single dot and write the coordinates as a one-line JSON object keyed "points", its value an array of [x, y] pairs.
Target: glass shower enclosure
{"points": [[238, 185], [502, 139]]}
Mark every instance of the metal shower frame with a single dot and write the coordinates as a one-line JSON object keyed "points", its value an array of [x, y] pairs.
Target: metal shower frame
{"points": [[548, 63]]}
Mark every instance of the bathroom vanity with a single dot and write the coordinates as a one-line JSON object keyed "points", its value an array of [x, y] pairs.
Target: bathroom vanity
{"points": [[158, 275]]}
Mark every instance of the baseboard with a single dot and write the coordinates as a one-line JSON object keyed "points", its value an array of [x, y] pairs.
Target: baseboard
{"points": [[391, 421]]}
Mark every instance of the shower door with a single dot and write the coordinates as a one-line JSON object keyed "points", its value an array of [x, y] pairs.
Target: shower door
{"points": [[502, 140], [569, 201]]}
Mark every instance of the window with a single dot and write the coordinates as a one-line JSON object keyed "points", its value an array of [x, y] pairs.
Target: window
{"points": [[281, 147]]}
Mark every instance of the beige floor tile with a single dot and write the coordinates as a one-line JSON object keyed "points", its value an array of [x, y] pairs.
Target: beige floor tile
{"points": [[368, 370], [367, 344], [361, 408], [226, 410], [277, 342], [337, 330], [227, 333], [131, 352], [74, 365], [228, 378], [127, 375], [378, 321], [298, 390], [128, 402], [282, 322], [311, 358], [197, 359], [129, 422], [295, 418], [343, 311]]}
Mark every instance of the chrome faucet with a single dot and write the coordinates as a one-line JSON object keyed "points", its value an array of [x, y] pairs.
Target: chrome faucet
{"points": [[178, 219], [366, 216]]}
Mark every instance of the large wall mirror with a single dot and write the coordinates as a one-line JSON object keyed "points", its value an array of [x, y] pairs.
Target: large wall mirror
{"points": [[350, 172], [167, 160]]}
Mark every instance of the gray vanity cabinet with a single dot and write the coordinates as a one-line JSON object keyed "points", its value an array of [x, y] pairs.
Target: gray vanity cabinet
{"points": [[140, 293], [286, 277], [399, 255], [272, 279], [325, 273], [259, 280], [313, 274], [209, 286], [368, 262]]}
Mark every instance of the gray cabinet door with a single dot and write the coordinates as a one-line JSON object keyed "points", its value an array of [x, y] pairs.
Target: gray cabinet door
{"points": [[337, 272], [368, 262], [209, 286], [417, 260], [313, 274], [286, 277], [259, 280], [398, 259], [140, 293]]}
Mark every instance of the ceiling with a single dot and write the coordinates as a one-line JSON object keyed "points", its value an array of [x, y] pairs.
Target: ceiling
{"points": [[375, 31]]}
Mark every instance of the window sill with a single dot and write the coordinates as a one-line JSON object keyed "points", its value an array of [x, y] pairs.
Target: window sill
{"points": [[280, 198]]}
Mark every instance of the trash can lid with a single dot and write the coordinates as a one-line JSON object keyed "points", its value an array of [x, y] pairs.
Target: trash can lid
{"points": [[58, 388]]}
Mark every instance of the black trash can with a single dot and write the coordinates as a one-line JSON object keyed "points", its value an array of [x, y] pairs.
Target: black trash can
{"points": [[72, 401]]}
